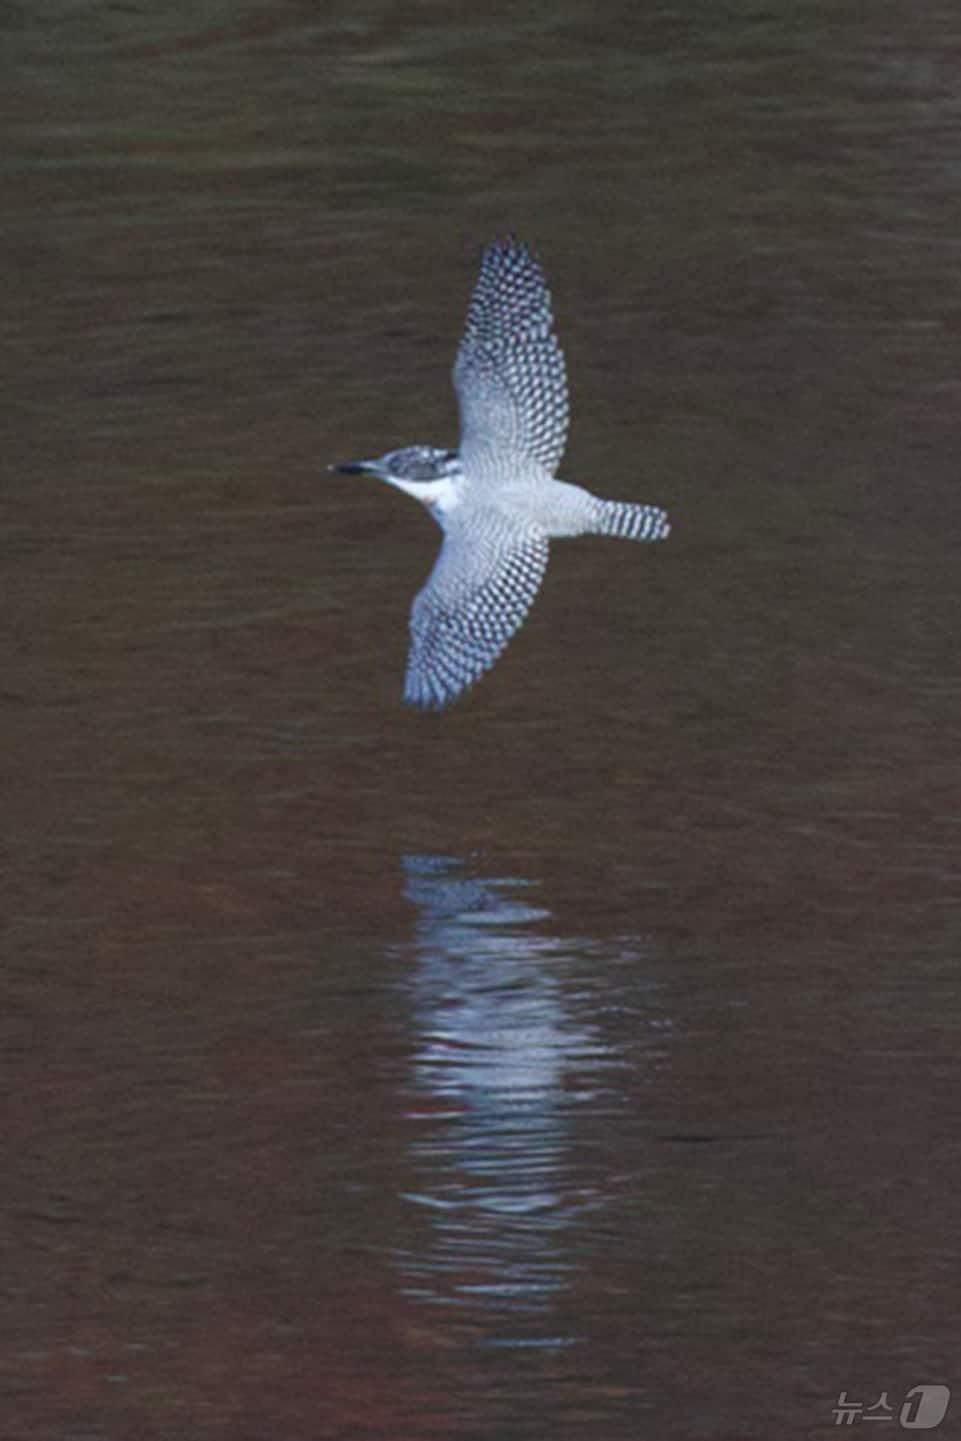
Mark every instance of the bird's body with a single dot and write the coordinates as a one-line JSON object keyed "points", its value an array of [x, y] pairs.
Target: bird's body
{"points": [[496, 497]]}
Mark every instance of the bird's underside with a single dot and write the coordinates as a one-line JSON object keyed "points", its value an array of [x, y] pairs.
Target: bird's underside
{"points": [[467, 612]]}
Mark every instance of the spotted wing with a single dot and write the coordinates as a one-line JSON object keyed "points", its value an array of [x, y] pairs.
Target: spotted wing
{"points": [[509, 374], [476, 597]]}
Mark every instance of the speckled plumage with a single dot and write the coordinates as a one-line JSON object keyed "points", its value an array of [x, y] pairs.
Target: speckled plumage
{"points": [[509, 373], [458, 630], [496, 497]]}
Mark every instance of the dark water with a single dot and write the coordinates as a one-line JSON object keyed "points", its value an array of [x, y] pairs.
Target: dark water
{"points": [[583, 1062]]}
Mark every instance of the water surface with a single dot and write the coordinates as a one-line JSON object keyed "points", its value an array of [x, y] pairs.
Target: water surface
{"points": [[582, 1062]]}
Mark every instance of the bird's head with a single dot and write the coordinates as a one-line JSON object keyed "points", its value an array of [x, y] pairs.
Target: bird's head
{"points": [[423, 471]]}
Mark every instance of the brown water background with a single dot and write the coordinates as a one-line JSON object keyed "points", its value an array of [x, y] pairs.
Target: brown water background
{"points": [[584, 1062]]}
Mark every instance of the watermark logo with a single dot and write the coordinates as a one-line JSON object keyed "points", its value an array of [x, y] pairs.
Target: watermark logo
{"points": [[922, 1408]]}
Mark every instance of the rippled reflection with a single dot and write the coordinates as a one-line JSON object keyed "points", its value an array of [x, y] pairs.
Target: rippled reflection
{"points": [[503, 1061]]}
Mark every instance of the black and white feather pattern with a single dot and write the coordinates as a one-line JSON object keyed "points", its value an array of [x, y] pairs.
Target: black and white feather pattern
{"points": [[628, 521], [476, 598], [509, 374]]}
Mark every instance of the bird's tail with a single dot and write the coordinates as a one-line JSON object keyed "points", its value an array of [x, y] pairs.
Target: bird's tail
{"points": [[631, 522]]}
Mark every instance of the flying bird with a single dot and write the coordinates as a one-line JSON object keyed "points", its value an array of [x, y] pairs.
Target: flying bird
{"points": [[496, 497]]}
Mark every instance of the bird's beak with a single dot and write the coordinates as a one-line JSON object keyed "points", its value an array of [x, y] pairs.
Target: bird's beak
{"points": [[353, 467]]}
